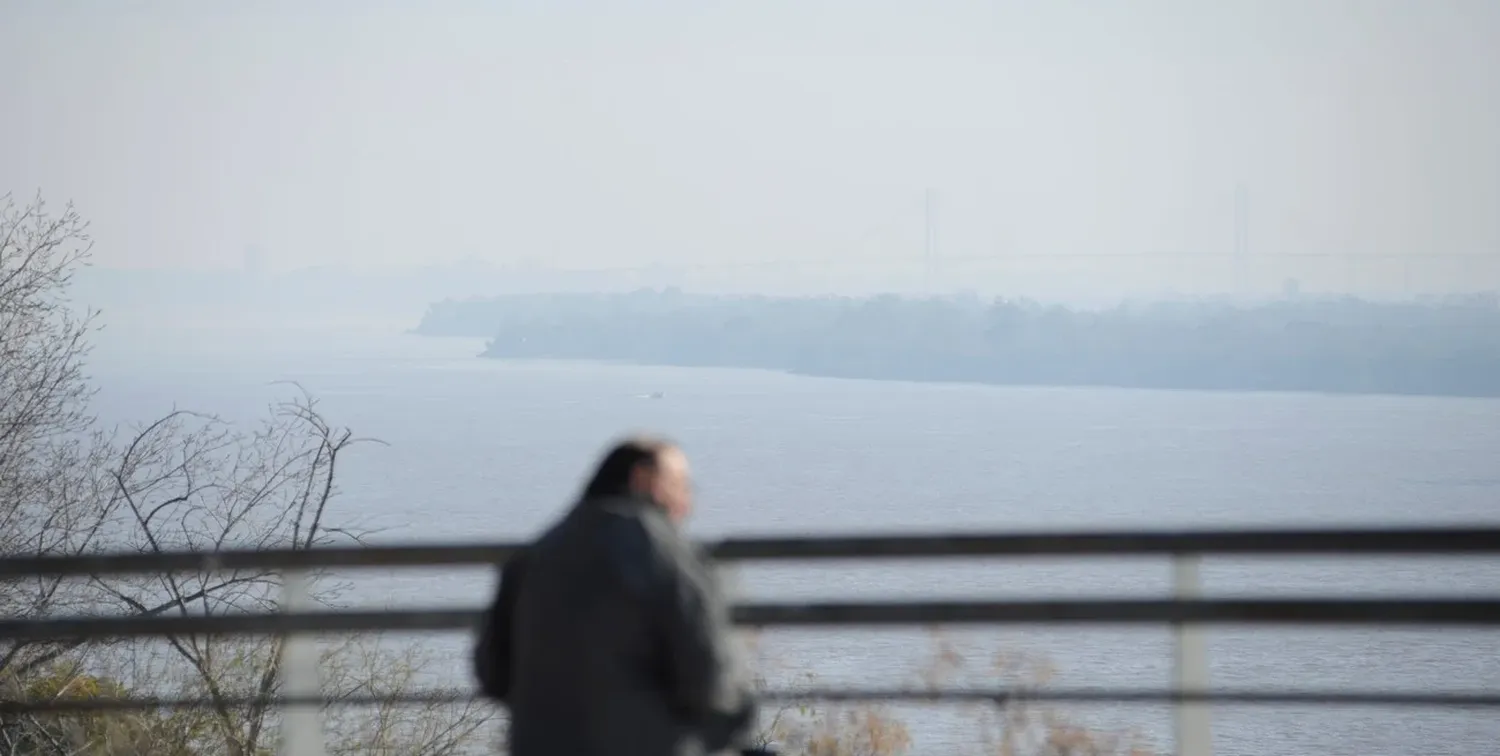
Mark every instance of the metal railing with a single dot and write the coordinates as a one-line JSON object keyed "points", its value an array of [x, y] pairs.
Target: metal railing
{"points": [[1187, 611]]}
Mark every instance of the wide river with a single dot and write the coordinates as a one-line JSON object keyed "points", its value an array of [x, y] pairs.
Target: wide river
{"points": [[480, 448]]}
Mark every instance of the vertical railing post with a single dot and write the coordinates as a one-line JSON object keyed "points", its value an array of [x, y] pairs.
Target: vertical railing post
{"points": [[1190, 662], [301, 724], [727, 578]]}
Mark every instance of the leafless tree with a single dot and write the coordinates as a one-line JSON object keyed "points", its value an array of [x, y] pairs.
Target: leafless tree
{"points": [[52, 498], [393, 728], [190, 482], [186, 481]]}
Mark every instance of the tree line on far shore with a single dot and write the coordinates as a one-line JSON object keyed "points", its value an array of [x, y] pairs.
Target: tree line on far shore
{"points": [[1447, 347]]}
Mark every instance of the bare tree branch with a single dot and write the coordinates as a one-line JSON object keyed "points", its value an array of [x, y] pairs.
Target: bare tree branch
{"points": [[185, 481]]}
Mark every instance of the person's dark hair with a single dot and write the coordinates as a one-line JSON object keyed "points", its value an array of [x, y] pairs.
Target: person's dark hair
{"points": [[612, 477]]}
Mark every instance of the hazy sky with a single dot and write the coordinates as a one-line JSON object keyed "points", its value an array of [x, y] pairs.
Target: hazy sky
{"points": [[593, 133]]}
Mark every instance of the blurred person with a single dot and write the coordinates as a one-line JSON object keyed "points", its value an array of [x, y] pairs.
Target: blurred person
{"points": [[609, 634]]}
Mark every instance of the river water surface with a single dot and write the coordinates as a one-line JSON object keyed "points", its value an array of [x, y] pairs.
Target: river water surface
{"points": [[492, 449]]}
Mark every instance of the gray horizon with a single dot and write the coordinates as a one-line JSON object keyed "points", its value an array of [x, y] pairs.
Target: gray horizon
{"points": [[1085, 150]]}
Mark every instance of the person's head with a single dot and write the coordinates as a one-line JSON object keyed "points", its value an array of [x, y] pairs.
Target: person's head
{"points": [[652, 468]]}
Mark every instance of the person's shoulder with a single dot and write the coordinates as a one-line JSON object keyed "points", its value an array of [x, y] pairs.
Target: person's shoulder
{"points": [[622, 526], [628, 549], [515, 564], [542, 545]]}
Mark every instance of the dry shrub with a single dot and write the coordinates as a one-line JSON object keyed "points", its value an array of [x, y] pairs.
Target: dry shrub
{"points": [[849, 731], [1017, 729]]}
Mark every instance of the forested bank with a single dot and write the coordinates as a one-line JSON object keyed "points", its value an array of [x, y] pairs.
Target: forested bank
{"points": [[1448, 348]]}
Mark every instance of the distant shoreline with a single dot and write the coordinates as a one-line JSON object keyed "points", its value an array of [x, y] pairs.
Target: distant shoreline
{"points": [[1330, 347]]}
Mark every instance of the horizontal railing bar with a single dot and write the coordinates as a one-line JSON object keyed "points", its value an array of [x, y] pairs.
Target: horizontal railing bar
{"points": [[831, 695], [1444, 540], [1391, 611], [1217, 611], [1440, 540], [323, 557]]}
